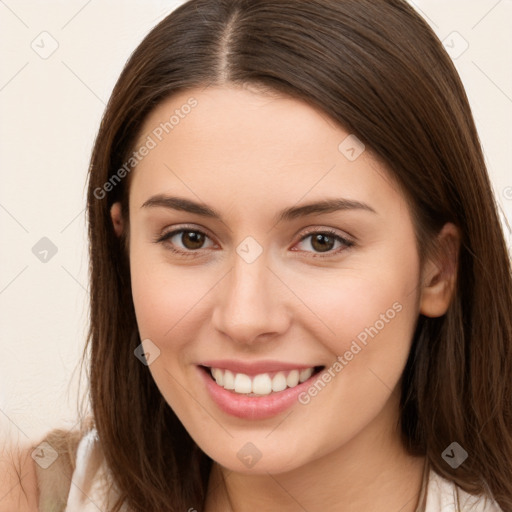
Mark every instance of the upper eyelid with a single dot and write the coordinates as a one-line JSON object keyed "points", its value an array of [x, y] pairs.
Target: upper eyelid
{"points": [[180, 229], [335, 232]]}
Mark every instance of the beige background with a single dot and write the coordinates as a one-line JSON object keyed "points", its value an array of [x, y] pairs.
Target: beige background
{"points": [[50, 110]]}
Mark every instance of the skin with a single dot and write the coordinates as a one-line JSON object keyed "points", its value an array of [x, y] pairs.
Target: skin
{"points": [[248, 155], [18, 483]]}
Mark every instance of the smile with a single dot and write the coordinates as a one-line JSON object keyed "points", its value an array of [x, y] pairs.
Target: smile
{"points": [[256, 395], [261, 384]]}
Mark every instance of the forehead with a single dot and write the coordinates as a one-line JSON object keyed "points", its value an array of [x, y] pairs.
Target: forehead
{"points": [[247, 143], [240, 116]]}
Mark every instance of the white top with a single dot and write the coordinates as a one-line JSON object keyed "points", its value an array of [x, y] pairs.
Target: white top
{"points": [[87, 495], [445, 496]]}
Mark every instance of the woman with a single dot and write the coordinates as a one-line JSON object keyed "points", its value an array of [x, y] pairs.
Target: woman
{"points": [[301, 297]]}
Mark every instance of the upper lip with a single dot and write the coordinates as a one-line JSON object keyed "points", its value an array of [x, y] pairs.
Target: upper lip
{"points": [[255, 367]]}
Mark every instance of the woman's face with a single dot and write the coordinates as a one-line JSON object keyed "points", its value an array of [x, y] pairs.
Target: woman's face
{"points": [[266, 241]]}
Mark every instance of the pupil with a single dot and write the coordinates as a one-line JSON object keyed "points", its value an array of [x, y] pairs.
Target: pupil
{"points": [[192, 240], [325, 242]]}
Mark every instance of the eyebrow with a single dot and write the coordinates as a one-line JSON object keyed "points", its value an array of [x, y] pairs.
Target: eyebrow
{"points": [[288, 214]]}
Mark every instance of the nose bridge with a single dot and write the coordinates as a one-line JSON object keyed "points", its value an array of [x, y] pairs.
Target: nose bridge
{"points": [[249, 304]]}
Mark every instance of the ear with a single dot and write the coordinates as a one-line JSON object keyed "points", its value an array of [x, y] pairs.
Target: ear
{"points": [[440, 273], [117, 218]]}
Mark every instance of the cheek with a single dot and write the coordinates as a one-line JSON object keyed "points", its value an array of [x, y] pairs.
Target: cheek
{"points": [[170, 301], [362, 305], [368, 317], [169, 308], [162, 298], [372, 319]]}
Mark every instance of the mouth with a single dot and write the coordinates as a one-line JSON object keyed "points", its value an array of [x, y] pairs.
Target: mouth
{"points": [[261, 384]]}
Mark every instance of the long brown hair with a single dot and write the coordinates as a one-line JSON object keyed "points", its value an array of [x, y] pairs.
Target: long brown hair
{"points": [[376, 68]]}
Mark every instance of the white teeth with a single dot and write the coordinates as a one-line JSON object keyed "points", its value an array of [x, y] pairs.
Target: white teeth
{"points": [[261, 384], [228, 381], [305, 374], [279, 382], [293, 378], [218, 375], [243, 383]]}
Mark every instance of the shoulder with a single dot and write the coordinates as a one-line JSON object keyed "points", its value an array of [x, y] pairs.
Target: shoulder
{"points": [[55, 462], [93, 487], [18, 483], [444, 496], [36, 476]]}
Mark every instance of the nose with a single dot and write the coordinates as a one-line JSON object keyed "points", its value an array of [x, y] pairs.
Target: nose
{"points": [[250, 306]]}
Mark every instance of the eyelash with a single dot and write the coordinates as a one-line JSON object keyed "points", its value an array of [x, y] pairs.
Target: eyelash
{"points": [[196, 253]]}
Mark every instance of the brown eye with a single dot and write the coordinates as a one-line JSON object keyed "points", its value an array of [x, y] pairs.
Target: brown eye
{"points": [[327, 242], [185, 241], [192, 239], [322, 243]]}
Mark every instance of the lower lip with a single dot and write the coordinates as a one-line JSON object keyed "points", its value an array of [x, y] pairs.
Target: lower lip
{"points": [[253, 407]]}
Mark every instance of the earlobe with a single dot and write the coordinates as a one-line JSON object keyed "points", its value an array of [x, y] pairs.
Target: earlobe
{"points": [[117, 218], [440, 273]]}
